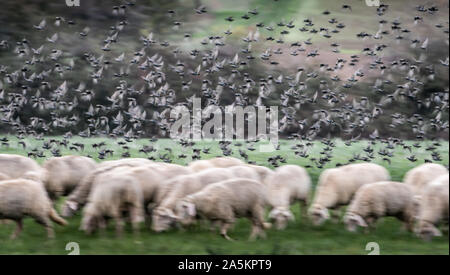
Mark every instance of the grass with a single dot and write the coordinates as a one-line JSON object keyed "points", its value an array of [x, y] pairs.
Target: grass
{"points": [[299, 238]]}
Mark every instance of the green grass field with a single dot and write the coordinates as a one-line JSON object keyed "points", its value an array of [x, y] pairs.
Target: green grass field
{"points": [[299, 238]]}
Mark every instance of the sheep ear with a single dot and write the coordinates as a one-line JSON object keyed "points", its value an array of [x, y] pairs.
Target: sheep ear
{"points": [[360, 221]]}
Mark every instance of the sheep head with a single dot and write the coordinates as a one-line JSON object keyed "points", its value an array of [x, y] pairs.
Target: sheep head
{"points": [[352, 222], [318, 214], [281, 216], [427, 231], [162, 219]]}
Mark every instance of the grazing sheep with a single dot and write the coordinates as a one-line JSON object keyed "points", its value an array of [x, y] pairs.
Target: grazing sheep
{"points": [[79, 195], [423, 174], [433, 208], [23, 197], [112, 194], [380, 199], [337, 186], [225, 201], [62, 174], [15, 167], [152, 178], [219, 162], [289, 183], [163, 216]]}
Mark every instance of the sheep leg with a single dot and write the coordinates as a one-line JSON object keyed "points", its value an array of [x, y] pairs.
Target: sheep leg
{"points": [[48, 225], [50, 232], [223, 230], [135, 219], [119, 223], [258, 223], [257, 231], [408, 225], [119, 226], [102, 226], [254, 233], [303, 203], [148, 220], [46, 222], [18, 229], [370, 224]]}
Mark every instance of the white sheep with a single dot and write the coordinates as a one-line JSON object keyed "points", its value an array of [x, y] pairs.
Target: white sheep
{"points": [[15, 167], [112, 194], [433, 208], [79, 195], [337, 186], [219, 162], [421, 175], [164, 216], [287, 185], [225, 201], [381, 199], [152, 179], [23, 197], [62, 174]]}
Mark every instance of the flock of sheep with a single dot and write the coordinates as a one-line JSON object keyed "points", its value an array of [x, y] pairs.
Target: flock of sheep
{"points": [[218, 190]]}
